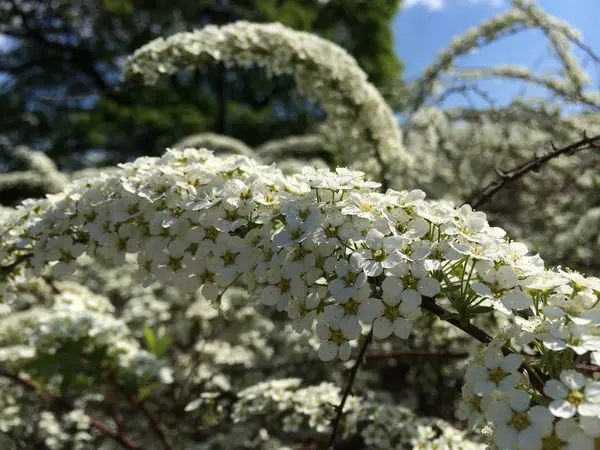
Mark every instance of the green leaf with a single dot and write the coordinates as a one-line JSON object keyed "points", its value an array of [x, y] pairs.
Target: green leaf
{"points": [[162, 346], [150, 340], [157, 345]]}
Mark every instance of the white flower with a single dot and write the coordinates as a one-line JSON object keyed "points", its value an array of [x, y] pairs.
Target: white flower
{"points": [[365, 206], [516, 425], [351, 278], [471, 407], [383, 253], [498, 373], [573, 394]]}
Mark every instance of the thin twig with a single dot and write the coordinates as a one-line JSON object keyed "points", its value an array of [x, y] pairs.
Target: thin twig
{"points": [[368, 357], [29, 385], [117, 416], [133, 400], [154, 423], [588, 367], [537, 379], [349, 384], [430, 305], [510, 176]]}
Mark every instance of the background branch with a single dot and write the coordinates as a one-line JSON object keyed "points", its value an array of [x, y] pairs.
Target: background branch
{"points": [[347, 389], [125, 441], [482, 196]]}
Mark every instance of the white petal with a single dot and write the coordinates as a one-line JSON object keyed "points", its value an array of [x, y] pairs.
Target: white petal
{"points": [[484, 387], [392, 286], [519, 400], [382, 328], [312, 300], [572, 380], [492, 359], [344, 351], [393, 243], [562, 408], [475, 373], [592, 392], [393, 259], [506, 276], [565, 428], [590, 425], [370, 310], [411, 298], [498, 412], [508, 383], [341, 268], [328, 351], [517, 300], [429, 287], [298, 287], [505, 437], [374, 239], [542, 419], [580, 441], [323, 331], [402, 328], [356, 262], [482, 289], [372, 268], [333, 314], [589, 409], [555, 390], [350, 326], [529, 438], [554, 344], [512, 362]]}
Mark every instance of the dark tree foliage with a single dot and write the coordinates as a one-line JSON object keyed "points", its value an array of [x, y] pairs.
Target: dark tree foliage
{"points": [[61, 61]]}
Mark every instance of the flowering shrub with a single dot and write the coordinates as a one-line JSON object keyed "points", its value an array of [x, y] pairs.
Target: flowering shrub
{"points": [[327, 249], [170, 288], [359, 122]]}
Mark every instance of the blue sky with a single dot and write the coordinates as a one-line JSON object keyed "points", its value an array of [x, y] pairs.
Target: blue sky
{"points": [[424, 27]]}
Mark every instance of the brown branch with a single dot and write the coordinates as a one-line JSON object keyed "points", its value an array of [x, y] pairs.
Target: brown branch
{"points": [[29, 385], [428, 304], [119, 420], [588, 368], [417, 353], [348, 388], [510, 176], [133, 400], [154, 423], [233, 370]]}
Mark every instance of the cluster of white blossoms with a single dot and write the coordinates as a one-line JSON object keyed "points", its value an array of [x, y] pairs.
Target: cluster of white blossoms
{"points": [[381, 426], [554, 106], [341, 259], [566, 416], [359, 122], [73, 316]]}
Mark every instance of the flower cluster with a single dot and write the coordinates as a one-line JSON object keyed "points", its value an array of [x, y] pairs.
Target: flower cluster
{"points": [[339, 258], [381, 426], [73, 318], [358, 121], [496, 393]]}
